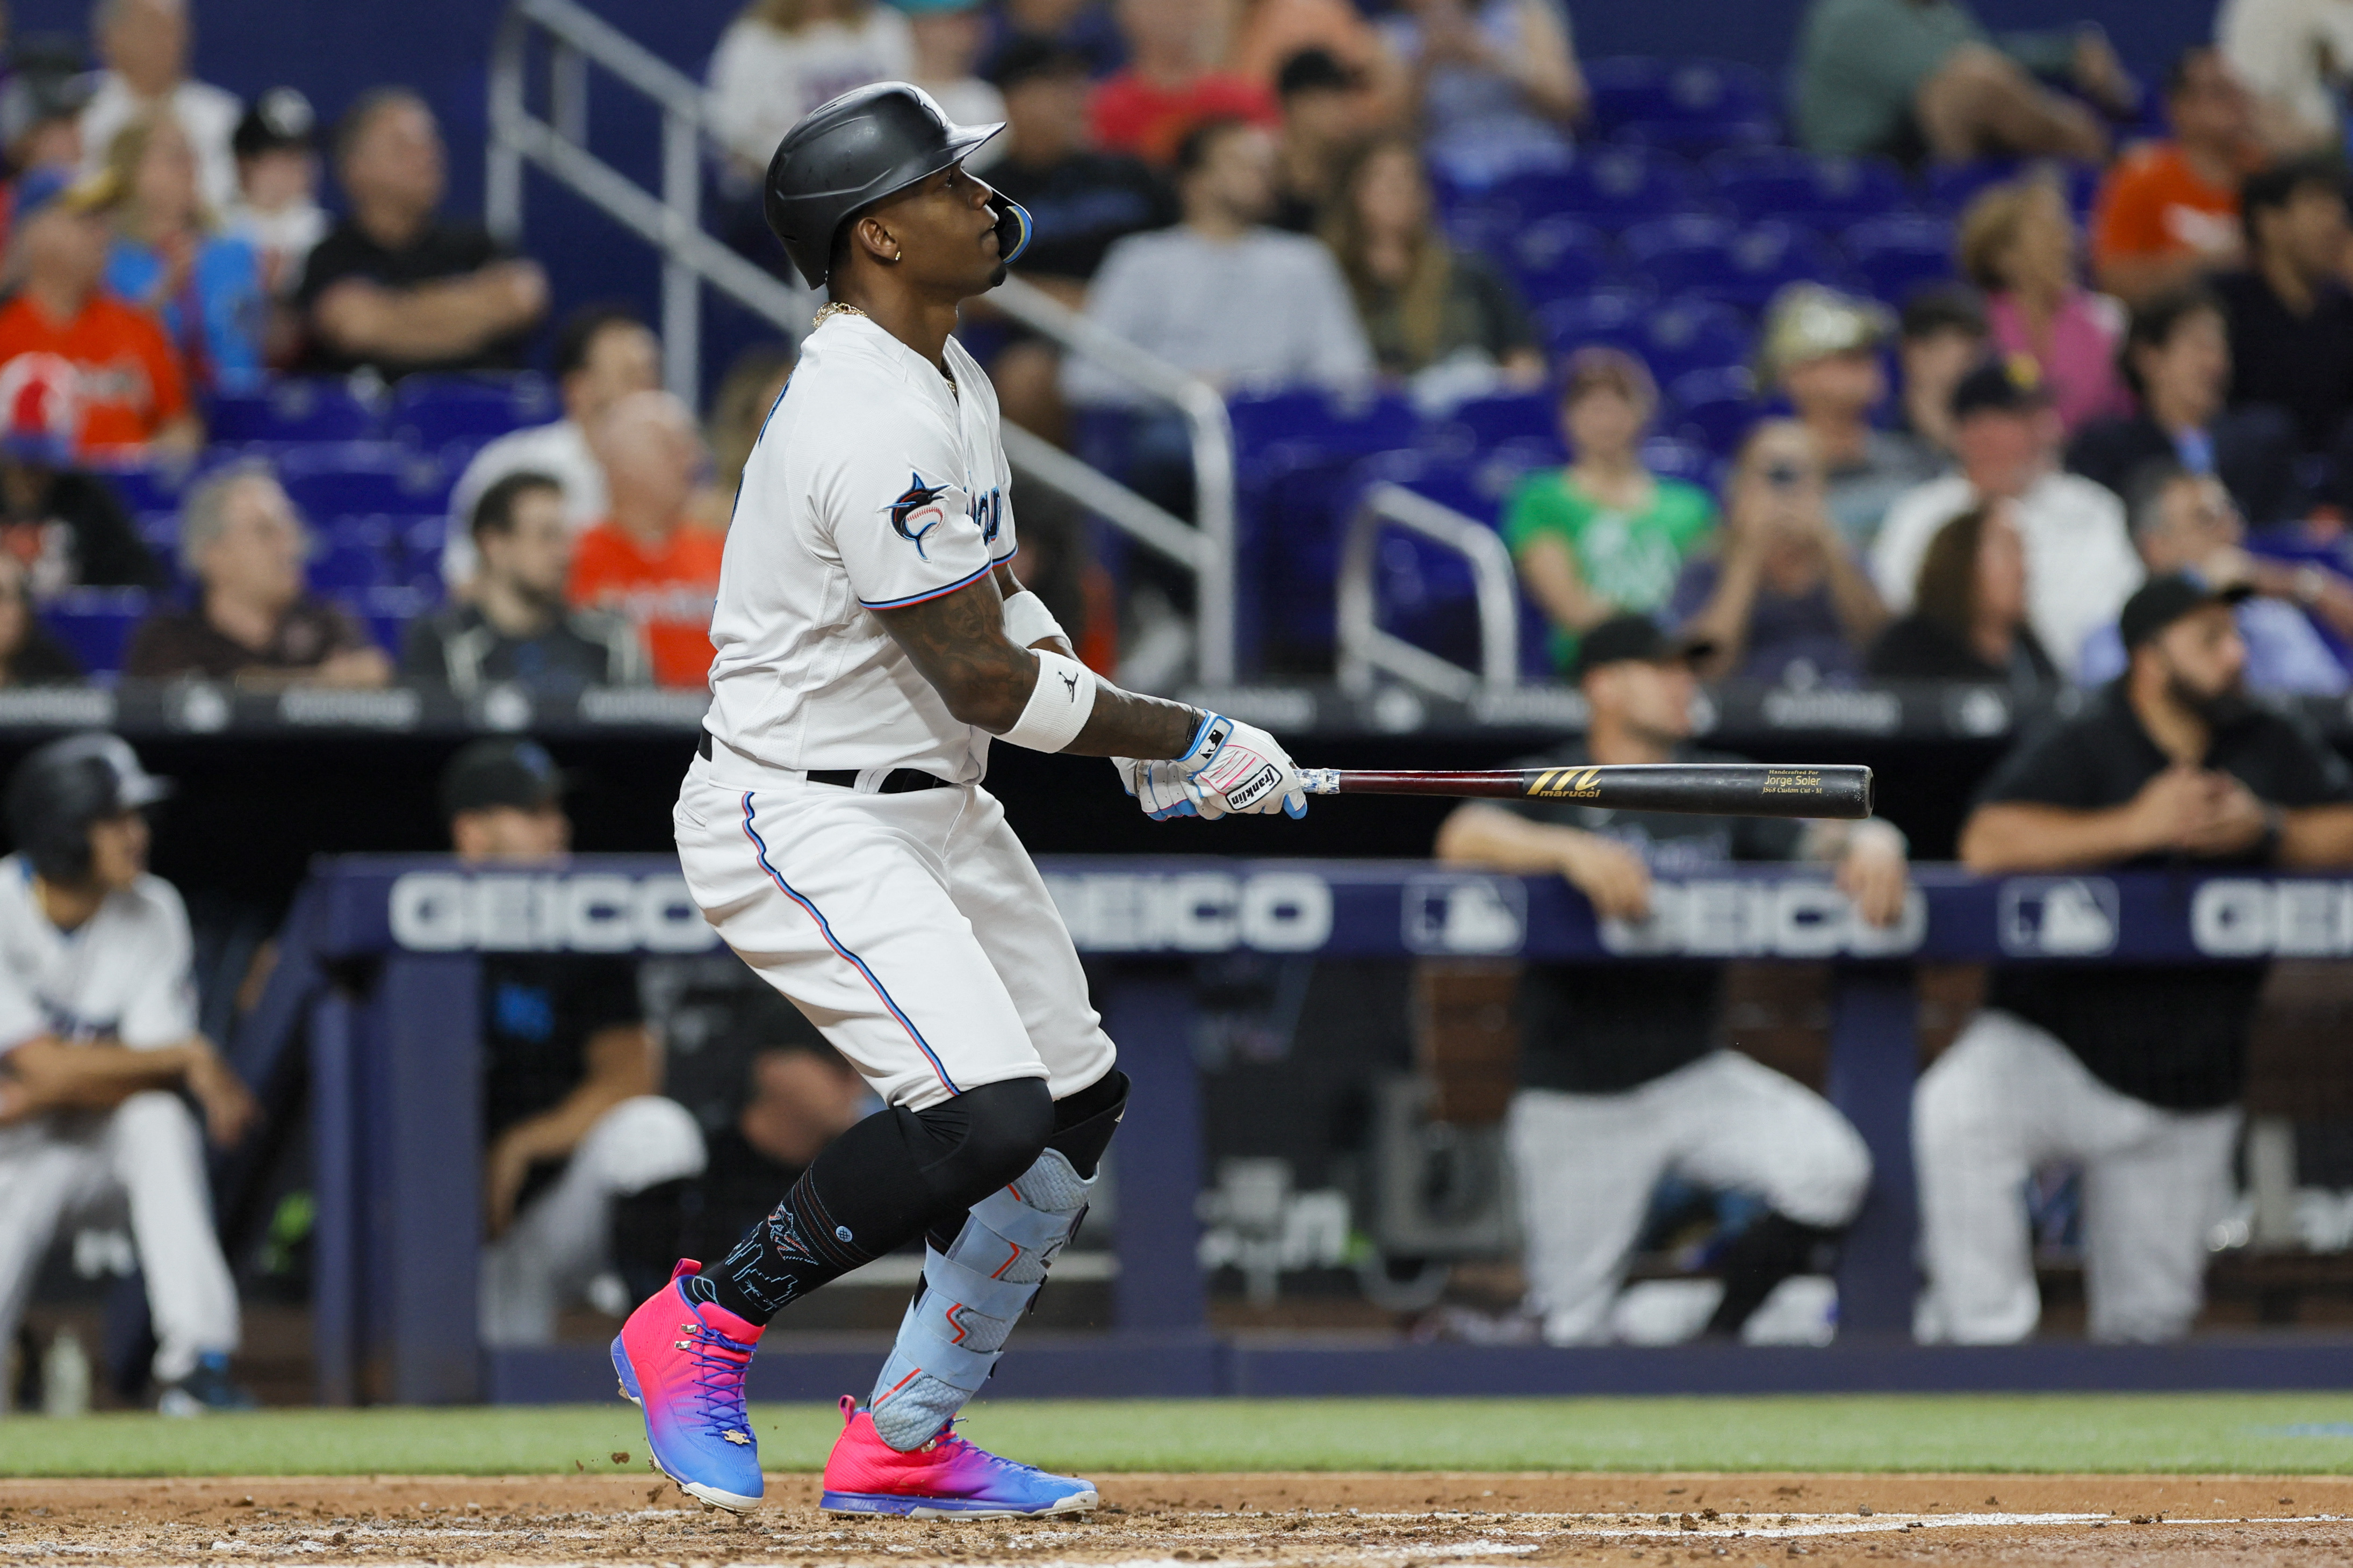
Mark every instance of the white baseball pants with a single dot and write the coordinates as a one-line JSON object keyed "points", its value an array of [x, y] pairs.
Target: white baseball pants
{"points": [[2007, 1097], [1587, 1164], [146, 1156], [562, 1238], [912, 930]]}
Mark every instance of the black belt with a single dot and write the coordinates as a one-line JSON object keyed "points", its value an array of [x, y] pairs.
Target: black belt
{"points": [[898, 781]]}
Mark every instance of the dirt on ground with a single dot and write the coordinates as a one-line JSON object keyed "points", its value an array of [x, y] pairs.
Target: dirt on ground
{"points": [[1279, 1521]]}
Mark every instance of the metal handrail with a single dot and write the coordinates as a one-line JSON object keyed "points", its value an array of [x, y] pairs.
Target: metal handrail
{"points": [[672, 224], [1365, 647]]}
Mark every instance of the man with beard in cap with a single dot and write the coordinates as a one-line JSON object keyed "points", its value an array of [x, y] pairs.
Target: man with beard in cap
{"points": [[2132, 1070]]}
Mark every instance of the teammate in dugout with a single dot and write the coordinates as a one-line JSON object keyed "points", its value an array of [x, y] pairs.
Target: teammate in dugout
{"points": [[871, 639], [2131, 1069], [1621, 1082], [97, 1027]]}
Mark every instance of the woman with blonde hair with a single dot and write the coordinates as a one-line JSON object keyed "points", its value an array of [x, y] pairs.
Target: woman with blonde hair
{"points": [[2017, 243], [1422, 302], [1781, 600], [205, 288], [780, 59]]}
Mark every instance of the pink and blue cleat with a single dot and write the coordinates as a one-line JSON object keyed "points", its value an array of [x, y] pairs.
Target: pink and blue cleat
{"points": [[946, 1478], [681, 1356]]}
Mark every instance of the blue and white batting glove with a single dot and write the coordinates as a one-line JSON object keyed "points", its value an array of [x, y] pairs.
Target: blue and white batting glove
{"points": [[1158, 788], [1233, 767]]}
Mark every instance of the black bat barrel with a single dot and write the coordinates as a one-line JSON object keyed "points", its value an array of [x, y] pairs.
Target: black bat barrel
{"points": [[1729, 789]]}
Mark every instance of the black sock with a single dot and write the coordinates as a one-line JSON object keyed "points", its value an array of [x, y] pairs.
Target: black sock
{"points": [[879, 1183], [1773, 1248]]}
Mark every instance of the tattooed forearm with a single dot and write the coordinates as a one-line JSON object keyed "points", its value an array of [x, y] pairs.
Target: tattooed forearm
{"points": [[958, 641]]}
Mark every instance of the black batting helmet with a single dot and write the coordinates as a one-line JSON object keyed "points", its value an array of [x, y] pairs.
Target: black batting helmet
{"points": [[851, 152], [61, 789]]}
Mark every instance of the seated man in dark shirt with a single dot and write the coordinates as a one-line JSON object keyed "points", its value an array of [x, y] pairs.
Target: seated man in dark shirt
{"points": [[254, 621], [572, 1101], [2290, 316], [518, 629], [396, 287], [1080, 201], [1622, 1081], [2132, 1070]]}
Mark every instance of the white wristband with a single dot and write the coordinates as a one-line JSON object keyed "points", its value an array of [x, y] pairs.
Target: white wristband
{"points": [[1028, 621], [1058, 707]]}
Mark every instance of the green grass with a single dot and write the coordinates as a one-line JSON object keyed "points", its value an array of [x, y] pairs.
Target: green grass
{"points": [[2112, 1433]]}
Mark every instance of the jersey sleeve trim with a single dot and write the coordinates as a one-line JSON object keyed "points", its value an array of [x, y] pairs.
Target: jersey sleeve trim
{"points": [[930, 593]]}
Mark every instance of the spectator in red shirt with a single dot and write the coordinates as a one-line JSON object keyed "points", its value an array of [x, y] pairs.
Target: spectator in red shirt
{"points": [[2169, 211], [134, 390], [648, 560], [1172, 84]]}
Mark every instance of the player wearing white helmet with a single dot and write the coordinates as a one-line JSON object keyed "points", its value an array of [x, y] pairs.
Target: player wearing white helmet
{"points": [[871, 641]]}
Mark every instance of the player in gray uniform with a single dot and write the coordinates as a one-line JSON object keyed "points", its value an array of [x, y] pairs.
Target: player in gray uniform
{"points": [[97, 1039]]}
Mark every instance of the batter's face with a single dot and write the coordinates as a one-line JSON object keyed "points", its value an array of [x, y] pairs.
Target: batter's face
{"points": [[117, 850], [939, 236]]}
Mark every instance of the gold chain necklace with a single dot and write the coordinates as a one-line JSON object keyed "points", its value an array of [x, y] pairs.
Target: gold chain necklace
{"points": [[833, 308]]}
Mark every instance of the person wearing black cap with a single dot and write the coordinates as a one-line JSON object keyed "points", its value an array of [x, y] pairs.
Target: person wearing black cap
{"points": [[1622, 1081], [98, 1042], [2131, 1069], [1323, 119], [277, 209], [2079, 557], [582, 1145], [1080, 199]]}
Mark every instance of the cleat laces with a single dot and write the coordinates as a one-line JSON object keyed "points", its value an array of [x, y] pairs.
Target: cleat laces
{"points": [[952, 1444], [718, 1379]]}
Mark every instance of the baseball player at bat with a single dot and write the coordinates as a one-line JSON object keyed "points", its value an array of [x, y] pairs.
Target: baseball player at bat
{"points": [[872, 640], [1622, 1082]]}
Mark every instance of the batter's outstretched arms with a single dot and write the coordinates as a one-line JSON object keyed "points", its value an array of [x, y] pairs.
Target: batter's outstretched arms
{"points": [[1176, 760]]}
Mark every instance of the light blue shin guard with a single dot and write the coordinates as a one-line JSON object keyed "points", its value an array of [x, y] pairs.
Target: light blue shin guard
{"points": [[956, 1326]]}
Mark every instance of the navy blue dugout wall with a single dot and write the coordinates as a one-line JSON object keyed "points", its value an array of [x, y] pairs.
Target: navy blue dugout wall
{"points": [[334, 49]]}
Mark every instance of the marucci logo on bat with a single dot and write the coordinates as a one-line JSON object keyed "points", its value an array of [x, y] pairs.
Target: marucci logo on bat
{"points": [[1565, 784]]}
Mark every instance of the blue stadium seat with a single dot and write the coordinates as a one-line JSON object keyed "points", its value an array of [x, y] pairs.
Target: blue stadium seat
{"points": [[1692, 333], [1826, 193], [1673, 457], [306, 408], [96, 623], [1951, 186], [1712, 408], [142, 488], [430, 411], [360, 478], [1690, 103], [1484, 423], [353, 553], [1893, 255], [386, 612], [1613, 187], [1612, 317], [1711, 258], [1486, 226], [1558, 256]]}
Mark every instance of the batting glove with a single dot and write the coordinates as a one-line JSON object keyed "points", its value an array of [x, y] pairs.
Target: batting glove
{"points": [[1159, 788], [1233, 767]]}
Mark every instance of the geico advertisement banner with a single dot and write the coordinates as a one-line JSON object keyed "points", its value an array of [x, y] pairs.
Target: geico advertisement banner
{"points": [[2235, 917], [454, 912]]}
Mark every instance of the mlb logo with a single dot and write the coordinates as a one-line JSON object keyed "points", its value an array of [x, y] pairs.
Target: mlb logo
{"points": [[2058, 916], [1465, 915]]}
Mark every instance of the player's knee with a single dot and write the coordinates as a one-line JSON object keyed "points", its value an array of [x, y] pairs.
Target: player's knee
{"points": [[156, 1117], [643, 1141], [991, 1135]]}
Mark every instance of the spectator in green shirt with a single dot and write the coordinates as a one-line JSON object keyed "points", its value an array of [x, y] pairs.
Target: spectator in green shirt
{"points": [[1604, 535], [1922, 79]]}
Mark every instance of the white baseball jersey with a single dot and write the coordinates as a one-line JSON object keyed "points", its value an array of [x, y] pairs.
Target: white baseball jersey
{"points": [[124, 975], [874, 485]]}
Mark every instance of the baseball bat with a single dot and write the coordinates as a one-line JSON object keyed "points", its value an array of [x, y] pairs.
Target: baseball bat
{"points": [[1715, 789]]}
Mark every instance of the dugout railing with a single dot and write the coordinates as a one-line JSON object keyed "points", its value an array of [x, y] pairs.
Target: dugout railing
{"points": [[377, 981]]}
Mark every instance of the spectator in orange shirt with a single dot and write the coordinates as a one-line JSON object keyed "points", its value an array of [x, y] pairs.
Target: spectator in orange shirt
{"points": [[134, 390], [1171, 84], [2168, 212], [1268, 33], [646, 561]]}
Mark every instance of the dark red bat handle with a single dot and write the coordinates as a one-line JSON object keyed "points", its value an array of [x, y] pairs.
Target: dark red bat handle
{"points": [[1713, 789]]}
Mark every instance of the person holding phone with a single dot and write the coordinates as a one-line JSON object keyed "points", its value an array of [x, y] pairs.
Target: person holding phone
{"points": [[1783, 600]]}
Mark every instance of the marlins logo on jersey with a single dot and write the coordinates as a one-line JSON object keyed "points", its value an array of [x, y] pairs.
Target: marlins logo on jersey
{"points": [[917, 512]]}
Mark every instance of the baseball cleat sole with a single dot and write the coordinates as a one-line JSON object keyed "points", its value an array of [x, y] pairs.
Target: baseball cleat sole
{"points": [[949, 1508]]}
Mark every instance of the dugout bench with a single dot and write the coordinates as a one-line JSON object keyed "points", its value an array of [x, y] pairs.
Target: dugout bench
{"points": [[379, 969]]}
